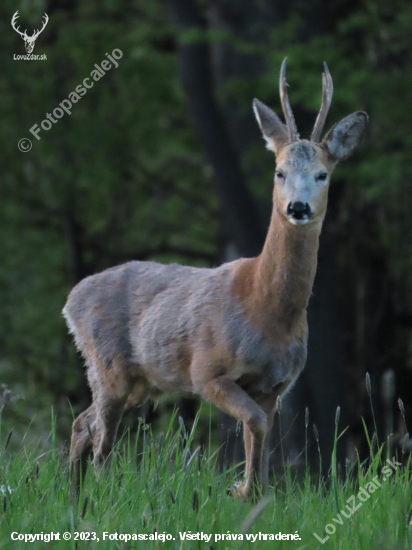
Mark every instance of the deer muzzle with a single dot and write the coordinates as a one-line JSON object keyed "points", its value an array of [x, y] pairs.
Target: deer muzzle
{"points": [[298, 212]]}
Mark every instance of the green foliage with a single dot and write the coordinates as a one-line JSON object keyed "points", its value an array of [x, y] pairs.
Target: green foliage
{"points": [[124, 177], [120, 178], [168, 485]]}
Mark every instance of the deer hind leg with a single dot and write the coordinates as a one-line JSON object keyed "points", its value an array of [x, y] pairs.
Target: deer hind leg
{"points": [[111, 386], [81, 446], [230, 398], [110, 411], [109, 415]]}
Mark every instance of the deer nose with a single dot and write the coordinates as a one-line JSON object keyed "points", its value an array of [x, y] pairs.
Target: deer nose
{"points": [[299, 210]]}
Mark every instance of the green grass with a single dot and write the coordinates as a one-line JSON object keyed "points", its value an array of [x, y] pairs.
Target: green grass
{"points": [[167, 485]]}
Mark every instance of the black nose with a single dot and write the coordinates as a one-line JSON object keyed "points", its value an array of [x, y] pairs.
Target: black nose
{"points": [[299, 210]]}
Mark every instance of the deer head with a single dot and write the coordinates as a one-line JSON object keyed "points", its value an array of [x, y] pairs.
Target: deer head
{"points": [[29, 41], [304, 167]]}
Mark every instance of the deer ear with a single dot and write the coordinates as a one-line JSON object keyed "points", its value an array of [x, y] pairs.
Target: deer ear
{"points": [[273, 129], [345, 136]]}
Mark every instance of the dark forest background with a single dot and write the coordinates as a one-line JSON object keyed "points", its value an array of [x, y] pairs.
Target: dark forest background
{"points": [[162, 160]]}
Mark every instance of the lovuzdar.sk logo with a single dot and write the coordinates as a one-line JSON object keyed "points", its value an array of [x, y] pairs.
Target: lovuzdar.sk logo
{"points": [[29, 41]]}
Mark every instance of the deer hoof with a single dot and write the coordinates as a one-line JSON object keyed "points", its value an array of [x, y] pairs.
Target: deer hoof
{"points": [[245, 492], [240, 490]]}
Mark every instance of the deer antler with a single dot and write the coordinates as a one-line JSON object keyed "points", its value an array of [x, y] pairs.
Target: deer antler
{"points": [[36, 33], [287, 110], [327, 92], [13, 24]]}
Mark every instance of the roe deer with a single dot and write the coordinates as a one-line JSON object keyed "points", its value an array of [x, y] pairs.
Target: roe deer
{"points": [[235, 335]]}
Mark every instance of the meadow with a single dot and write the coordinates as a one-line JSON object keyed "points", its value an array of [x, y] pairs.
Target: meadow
{"points": [[165, 492]]}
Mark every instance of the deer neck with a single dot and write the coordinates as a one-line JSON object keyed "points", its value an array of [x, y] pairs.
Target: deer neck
{"points": [[280, 280]]}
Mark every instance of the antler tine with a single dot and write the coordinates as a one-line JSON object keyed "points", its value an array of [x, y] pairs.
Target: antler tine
{"points": [[14, 18], [46, 20], [287, 110], [13, 24], [327, 93]]}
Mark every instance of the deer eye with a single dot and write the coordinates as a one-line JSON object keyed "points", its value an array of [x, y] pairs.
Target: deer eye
{"points": [[322, 177], [279, 175]]}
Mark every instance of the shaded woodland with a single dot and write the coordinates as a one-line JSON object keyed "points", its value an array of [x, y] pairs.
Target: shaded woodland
{"points": [[163, 160]]}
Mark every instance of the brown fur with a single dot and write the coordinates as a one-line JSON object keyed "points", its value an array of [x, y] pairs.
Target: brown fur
{"points": [[236, 335]]}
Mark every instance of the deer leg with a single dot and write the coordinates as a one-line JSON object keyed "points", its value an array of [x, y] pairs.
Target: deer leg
{"points": [[247, 439], [268, 402], [111, 386], [81, 447], [109, 412], [230, 398], [269, 406]]}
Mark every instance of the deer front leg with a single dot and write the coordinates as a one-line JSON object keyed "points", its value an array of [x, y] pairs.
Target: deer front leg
{"points": [[230, 398], [269, 406]]}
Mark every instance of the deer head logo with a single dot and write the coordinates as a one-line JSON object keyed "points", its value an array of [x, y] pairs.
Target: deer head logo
{"points": [[29, 41]]}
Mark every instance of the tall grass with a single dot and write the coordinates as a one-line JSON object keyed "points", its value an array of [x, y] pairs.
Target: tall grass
{"points": [[167, 485]]}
